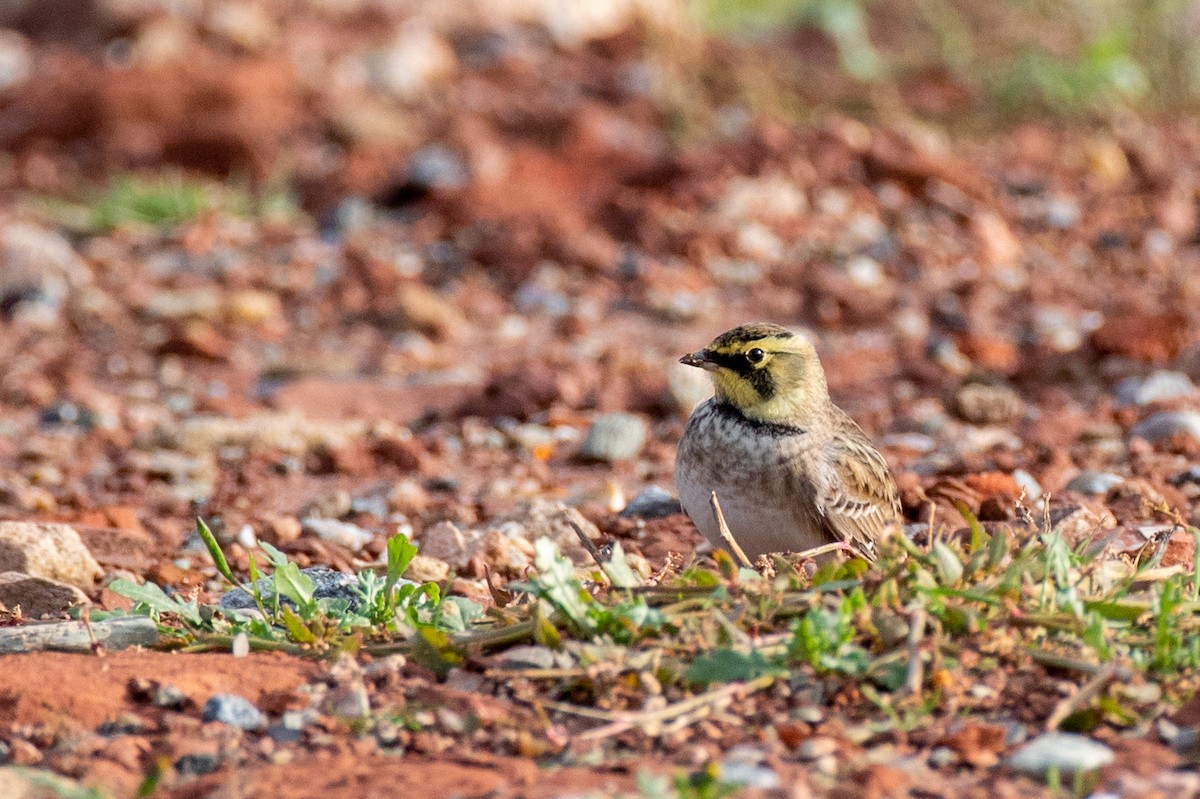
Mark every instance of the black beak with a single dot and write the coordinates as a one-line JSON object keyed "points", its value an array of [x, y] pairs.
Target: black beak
{"points": [[700, 358]]}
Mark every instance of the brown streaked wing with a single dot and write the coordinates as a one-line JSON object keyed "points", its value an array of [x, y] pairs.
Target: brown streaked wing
{"points": [[857, 498]]}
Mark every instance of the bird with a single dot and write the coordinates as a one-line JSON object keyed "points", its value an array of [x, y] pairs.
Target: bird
{"points": [[791, 470]]}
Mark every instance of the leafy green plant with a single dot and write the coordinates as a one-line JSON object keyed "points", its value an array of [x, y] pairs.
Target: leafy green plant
{"points": [[289, 612]]}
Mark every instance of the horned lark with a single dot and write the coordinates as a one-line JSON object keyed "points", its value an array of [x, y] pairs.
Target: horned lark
{"points": [[791, 470]]}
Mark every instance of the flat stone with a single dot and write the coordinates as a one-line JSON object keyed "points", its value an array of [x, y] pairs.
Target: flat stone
{"points": [[1160, 426], [1160, 386], [75, 636], [652, 502], [1067, 752], [1090, 482], [344, 534], [327, 584], [617, 436], [234, 710], [53, 551], [38, 596]]}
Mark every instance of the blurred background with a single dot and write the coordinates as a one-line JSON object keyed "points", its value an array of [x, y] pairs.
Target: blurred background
{"points": [[421, 260]]}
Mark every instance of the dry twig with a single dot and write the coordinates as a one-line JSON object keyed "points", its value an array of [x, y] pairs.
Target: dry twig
{"points": [[1086, 693], [682, 713], [727, 536], [915, 676]]}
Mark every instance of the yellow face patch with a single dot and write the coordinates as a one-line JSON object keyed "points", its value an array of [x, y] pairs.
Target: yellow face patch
{"points": [[762, 370]]}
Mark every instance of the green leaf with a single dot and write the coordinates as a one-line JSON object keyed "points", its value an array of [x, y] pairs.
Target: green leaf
{"points": [[1118, 611], [979, 537], [214, 549], [619, 571], [274, 556], [434, 649], [557, 582], [950, 568], [290, 582], [157, 600], [730, 665], [296, 627], [400, 552]]}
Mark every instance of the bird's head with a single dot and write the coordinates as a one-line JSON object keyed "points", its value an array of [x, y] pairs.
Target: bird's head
{"points": [[767, 372]]}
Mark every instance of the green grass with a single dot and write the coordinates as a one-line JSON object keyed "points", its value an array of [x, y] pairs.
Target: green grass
{"points": [[1017, 57], [167, 199], [908, 635]]}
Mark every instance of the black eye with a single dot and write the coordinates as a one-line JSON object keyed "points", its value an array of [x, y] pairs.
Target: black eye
{"points": [[755, 355]]}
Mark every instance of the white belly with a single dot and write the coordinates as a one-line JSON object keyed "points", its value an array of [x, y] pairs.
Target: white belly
{"points": [[759, 527], [767, 505]]}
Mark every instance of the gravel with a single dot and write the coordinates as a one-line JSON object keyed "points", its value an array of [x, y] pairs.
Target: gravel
{"points": [[234, 710], [1067, 752]]}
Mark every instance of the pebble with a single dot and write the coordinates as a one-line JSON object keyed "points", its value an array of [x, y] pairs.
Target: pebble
{"points": [[52, 551], [234, 710], [436, 166], [749, 775], [652, 502], [617, 436], [38, 596], [16, 58], [327, 584], [344, 534], [984, 403], [816, 748], [1188, 475], [1028, 483], [688, 386], [444, 541], [170, 697], [534, 657], [1067, 752], [1160, 426], [942, 756], [347, 702], [198, 764], [1160, 386], [1096, 483]]}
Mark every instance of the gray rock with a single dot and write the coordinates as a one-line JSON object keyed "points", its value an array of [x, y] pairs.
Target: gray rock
{"points": [[446, 542], [198, 764], [344, 534], [347, 701], [327, 584], [984, 403], [75, 636], [291, 725], [436, 166], [1028, 484], [234, 710], [38, 269], [1090, 482], [652, 502], [1160, 426], [16, 58], [170, 697], [942, 756], [534, 657], [38, 596], [816, 747], [52, 551], [749, 775], [1067, 752], [1188, 475], [543, 518], [1160, 386], [615, 436]]}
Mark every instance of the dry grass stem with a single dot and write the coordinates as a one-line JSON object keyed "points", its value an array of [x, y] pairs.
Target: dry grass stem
{"points": [[727, 536]]}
